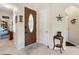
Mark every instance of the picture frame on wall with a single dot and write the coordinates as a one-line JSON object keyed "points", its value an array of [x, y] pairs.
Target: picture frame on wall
{"points": [[5, 17], [20, 18]]}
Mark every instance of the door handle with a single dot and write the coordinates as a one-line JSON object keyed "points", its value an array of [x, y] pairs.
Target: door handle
{"points": [[25, 27]]}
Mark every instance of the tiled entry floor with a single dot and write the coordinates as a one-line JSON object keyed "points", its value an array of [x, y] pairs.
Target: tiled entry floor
{"points": [[5, 45], [39, 49], [34, 49]]}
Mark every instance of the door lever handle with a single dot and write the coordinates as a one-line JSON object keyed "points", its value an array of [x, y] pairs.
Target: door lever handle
{"points": [[25, 26]]}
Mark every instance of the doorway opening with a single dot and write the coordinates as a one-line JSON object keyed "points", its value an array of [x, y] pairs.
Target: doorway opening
{"points": [[6, 28], [73, 19]]}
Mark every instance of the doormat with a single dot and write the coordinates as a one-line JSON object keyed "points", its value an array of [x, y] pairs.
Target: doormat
{"points": [[69, 44]]}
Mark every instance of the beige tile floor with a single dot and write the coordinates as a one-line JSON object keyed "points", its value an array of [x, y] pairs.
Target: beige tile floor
{"points": [[6, 47]]}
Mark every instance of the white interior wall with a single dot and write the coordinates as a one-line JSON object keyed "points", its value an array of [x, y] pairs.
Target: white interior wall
{"points": [[20, 37]]}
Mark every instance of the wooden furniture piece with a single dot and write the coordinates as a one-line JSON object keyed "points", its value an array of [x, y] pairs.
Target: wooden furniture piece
{"points": [[10, 35], [60, 38]]}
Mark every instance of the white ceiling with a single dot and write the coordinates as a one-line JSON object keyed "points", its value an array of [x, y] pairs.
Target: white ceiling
{"points": [[2, 8], [37, 5]]}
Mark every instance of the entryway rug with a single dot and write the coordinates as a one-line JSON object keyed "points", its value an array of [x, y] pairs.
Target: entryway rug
{"points": [[69, 44]]}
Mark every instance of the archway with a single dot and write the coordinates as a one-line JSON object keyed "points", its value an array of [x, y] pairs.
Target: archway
{"points": [[8, 8], [73, 22]]}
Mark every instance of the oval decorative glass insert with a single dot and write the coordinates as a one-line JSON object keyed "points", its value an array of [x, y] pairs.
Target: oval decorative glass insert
{"points": [[31, 23]]}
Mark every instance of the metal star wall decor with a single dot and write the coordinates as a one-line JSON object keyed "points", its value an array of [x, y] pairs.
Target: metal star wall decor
{"points": [[59, 18]]}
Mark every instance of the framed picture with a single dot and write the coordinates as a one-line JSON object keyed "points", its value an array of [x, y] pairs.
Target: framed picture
{"points": [[20, 18], [5, 17]]}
